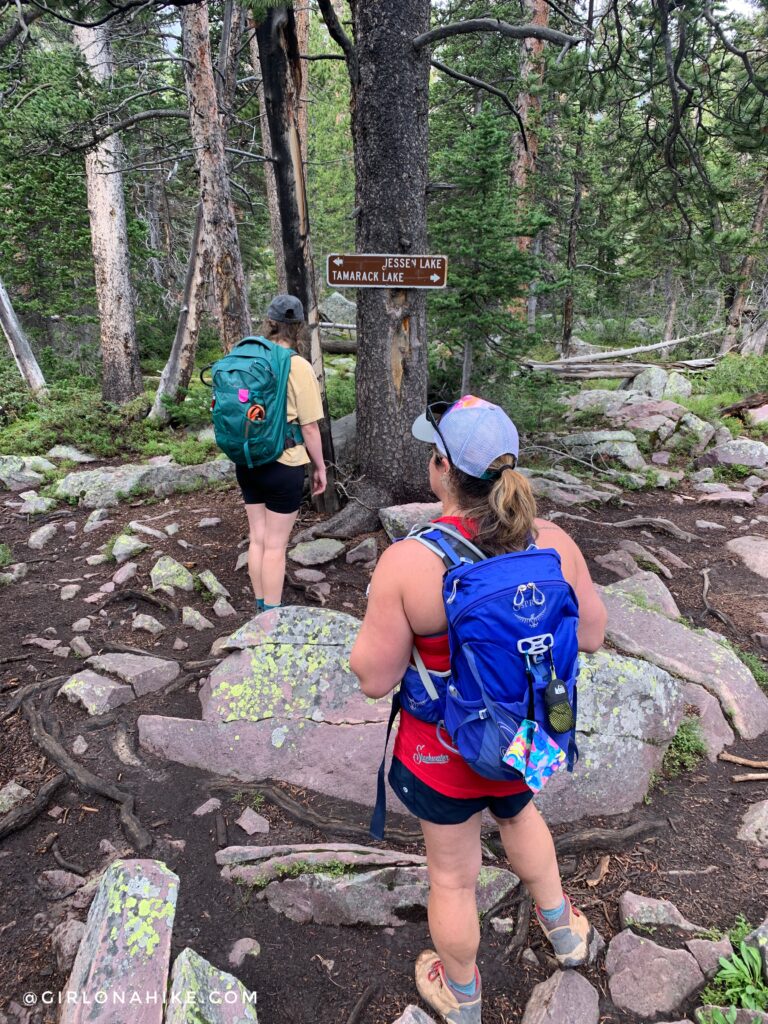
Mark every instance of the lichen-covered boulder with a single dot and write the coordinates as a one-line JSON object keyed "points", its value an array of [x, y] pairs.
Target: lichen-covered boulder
{"points": [[17, 472], [690, 655], [316, 552], [651, 381], [613, 444], [628, 712], [101, 488], [125, 951], [167, 572], [741, 451], [97, 693], [646, 590], [202, 994], [398, 520], [141, 671]]}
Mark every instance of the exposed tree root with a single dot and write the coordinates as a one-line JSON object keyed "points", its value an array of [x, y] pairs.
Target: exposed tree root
{"points": [[87, 781], [66, 865], [359, 1007], [28, 691], [141, 595], [359, 515], [520, 937], [612, 840], [20, 817], [743, 761], [662, 525], [308, 816]]}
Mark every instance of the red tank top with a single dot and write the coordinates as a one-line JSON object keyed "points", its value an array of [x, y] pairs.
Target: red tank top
{"points": [[417, 744]]}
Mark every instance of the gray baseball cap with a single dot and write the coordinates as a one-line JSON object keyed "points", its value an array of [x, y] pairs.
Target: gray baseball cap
{"points": [[472, 433], [286, 309]]}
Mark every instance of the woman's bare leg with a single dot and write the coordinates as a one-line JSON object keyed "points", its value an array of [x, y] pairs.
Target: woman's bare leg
{"points": [[278, 526], [256, 525]]}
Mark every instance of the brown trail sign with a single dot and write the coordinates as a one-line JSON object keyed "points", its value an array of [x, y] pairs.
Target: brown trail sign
{"points": [[380, 270]]}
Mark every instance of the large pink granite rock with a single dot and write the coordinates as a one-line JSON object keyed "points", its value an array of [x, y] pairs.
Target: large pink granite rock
{"points": [[564, 996], [648, 979], [694, 656], [202, 994], [125, 951]]}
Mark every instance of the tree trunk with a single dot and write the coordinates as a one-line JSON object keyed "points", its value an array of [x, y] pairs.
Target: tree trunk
{"points": [[573, 231], [672, 291], [736, 311], [282, 82], [754, 343], [466, 368], [269, 167], [219, 223], [121, 373], [528, 107], [177, 372], [390, 106], [20, 348]]}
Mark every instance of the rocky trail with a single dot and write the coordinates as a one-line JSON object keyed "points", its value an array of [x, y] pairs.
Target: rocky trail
{"points": [[237, 752]]}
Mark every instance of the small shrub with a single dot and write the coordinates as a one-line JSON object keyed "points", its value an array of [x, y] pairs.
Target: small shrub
{"points": [[5, 556], [341, 396], [741, 929], [739, 982], [686, 749], [743, 375]]}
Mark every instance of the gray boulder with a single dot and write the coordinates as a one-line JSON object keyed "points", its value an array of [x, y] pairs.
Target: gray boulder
{"points": [[17, 472], [647, 590], [648, 979], [141, 671], [398, 520], [12, 794], [126, 546], [97, 693], [41, 536], [690, 655], [167, 572], [647, 912], [754, 825], [316, 552], [101, 488], [629, 712], [595, 400], [708, 953], [741, 451], [564, 996], [613, 444], [651, 381], [343, 434], [337, 309], [69, 454], [677, 386]]}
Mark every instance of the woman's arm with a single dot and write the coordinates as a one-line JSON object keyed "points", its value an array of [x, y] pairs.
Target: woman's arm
{"points": [[314, 445], [382, 650]]}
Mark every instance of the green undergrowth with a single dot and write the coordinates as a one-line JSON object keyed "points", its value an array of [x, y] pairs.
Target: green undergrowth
{"points": [[76, 415], [6, 556], [341, 395], [739, 981], [686, 749], [754, 663]]}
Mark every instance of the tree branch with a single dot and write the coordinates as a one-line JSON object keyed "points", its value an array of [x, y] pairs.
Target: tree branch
{"points": [[478, 83], [549, 35], [119, 126], [338, 35], [19, 27]]}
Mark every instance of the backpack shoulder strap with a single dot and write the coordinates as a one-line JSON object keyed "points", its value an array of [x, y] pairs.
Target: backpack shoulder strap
{"points": [[448, 544]]}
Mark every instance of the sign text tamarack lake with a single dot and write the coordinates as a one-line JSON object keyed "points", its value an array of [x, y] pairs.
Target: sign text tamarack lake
{"points": [[384, 270]]}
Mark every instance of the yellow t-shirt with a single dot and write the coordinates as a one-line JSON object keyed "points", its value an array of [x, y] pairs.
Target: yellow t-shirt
{"points": [[305, 405]]}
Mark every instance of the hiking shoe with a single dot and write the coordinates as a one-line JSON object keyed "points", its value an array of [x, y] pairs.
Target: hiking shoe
{"points": [[569, 936], [434, 989]]}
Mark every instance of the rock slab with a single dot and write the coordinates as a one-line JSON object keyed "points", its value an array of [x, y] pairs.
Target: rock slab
{"points": [[648, 979], [143, 672], [97, 693], [126, 946], [693, 656], [565, 996], [202, 994]]}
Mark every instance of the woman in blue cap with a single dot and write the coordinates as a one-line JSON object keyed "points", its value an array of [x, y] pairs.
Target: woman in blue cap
{"points": [[272, 493], [472, 472]]}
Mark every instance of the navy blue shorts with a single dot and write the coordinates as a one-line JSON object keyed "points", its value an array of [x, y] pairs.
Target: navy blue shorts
{"points": [[429, 805], [278, 487]]}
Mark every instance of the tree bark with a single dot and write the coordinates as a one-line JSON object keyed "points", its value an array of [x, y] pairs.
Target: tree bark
{"points": [[219, 222], [20, 348], [390, 106], [283, 88], [736, 311], [573, 229], [672, 292], [121, 372], [177, 372]]}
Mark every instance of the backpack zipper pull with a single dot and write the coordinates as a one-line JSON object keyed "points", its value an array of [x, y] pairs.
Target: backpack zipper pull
{"points": [[453, 591]]}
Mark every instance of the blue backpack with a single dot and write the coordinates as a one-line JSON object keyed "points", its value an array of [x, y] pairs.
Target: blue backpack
{"points": [[512, 632]]}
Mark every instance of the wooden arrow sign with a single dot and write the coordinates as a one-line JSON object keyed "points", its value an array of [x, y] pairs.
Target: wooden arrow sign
{"points": [[381, 270]]}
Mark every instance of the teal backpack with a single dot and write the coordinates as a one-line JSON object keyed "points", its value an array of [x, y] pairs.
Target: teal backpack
{"points": [[249, 405]]}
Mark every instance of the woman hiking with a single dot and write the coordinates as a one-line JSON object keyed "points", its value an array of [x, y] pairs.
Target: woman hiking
{"points": [[472, 472], [272, 493]]}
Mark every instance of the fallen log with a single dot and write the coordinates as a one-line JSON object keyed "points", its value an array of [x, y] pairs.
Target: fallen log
{"points": [[86, 780], [751, 777], [339, 346], [743, 761], [596, 357]]}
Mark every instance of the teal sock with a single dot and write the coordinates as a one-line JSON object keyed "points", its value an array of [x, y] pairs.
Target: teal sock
{"points": [[550, 916], [464, 990], [259, 604], [268, 607]]}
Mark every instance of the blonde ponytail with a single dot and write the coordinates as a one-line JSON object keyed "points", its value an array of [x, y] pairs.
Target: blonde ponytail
{"points": [[503, 506]]}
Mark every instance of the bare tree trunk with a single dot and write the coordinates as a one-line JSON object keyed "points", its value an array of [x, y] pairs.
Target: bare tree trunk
{"points": [[269, 168], [177, 372], [754, 343], [672, 290], [573, 230], [219, 222], [735, 313], [20, 348], [466, 368], [282, 82], [390, 105], [533, 298], [121, 374]]}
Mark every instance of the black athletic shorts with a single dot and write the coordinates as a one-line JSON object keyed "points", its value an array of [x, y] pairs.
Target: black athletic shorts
{"points": [[278, 487], [429, 805]]}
